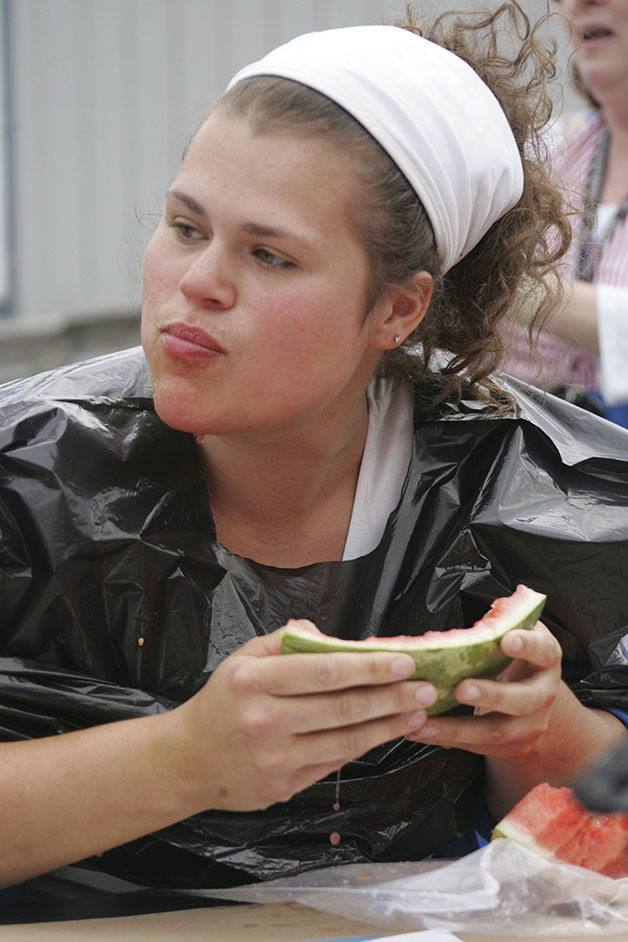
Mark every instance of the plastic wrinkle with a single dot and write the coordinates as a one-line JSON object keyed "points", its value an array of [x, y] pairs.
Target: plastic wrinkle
{"points": [[498, 890]]}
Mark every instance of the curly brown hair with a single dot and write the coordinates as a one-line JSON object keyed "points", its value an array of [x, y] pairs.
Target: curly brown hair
{"points": [[515, 260]]}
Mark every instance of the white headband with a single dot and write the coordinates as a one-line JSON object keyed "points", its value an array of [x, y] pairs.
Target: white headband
{"points": [[428, 109]]}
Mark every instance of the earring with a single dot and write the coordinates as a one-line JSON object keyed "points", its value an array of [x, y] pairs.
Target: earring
{"points": [[397, 338]]}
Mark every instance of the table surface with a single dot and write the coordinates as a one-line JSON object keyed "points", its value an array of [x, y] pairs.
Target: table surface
{"points": [[271, 923]]}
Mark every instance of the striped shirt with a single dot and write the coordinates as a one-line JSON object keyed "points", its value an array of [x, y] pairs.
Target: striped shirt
{"points": [[564, 363]]}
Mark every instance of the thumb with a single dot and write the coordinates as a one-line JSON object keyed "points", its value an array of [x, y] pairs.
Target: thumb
{"points": [[269, 645]]}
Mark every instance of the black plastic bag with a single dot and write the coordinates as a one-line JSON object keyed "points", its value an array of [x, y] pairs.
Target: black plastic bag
{"points": [[117, 601]]}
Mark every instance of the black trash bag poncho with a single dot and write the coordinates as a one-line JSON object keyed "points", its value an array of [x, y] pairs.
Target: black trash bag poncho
{"points": [[118, 602]]}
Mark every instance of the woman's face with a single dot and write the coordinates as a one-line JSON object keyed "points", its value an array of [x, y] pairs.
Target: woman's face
{"points": [[255, 284], [602, 29]]}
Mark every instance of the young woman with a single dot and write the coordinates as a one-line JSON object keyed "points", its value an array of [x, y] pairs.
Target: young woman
{"points": [[294, 456]]}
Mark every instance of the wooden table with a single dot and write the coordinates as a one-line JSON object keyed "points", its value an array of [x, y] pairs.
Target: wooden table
{"points": [[271, 923]]}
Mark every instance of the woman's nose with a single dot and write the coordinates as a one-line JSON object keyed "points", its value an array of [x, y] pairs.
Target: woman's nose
{"points": [[572, 7], [207, 282]]}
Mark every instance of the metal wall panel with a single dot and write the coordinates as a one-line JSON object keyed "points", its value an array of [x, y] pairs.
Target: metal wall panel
{"points": [[105, 95], [6, 202]]}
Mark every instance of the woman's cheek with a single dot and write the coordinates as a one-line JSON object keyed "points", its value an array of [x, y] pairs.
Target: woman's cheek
{"points": [[160, 282], [155, 268]]}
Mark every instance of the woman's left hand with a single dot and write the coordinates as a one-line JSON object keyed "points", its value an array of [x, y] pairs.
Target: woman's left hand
{"points": [[511, 712]]}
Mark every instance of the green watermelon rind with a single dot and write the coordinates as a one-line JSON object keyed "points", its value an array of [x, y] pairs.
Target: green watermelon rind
{"points": [[510, 830], [443, 665]]}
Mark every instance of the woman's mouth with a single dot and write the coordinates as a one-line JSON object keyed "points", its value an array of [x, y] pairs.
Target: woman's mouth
{"points": [[185, 342], [595, 35]]}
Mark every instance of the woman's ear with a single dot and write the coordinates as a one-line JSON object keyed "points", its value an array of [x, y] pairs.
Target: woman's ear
{"points": [[400, 311]]}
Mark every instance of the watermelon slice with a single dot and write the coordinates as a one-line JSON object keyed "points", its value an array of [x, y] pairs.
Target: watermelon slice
{"points": [[442, 657], [552, 822]]}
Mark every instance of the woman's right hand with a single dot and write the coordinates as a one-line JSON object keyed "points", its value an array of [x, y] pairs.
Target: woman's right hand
{"points": [[265, 726]]}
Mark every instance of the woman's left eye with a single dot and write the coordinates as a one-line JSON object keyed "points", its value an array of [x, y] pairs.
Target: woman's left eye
{"points": [[186, 231], [270, 259]]}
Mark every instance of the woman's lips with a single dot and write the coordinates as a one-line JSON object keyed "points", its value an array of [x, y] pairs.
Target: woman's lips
{"points": [[190, 343], [595, 35]]}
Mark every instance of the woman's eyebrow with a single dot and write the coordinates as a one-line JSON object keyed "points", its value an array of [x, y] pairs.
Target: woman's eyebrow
{"points": [[256, 229], [189, 201], [250, 228]]}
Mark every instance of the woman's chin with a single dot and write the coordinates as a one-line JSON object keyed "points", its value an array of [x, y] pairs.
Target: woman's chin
{"points": [[177, 420], [180, 411], [603, 75]]}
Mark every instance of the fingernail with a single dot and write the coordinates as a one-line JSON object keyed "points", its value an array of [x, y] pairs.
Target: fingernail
{"points": [[428, 732], [515, 644], [402, 666], [416, 719], [470, 693], [425, 695]]}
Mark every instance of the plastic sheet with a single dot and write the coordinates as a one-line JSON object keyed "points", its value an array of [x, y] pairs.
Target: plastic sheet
{"points": [[500, 890], [118, 601]]}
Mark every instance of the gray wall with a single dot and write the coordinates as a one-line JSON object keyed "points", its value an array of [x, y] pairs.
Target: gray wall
{"points": [[104, 94]]}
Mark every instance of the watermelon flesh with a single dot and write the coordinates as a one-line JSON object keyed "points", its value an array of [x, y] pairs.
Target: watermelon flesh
{"points": [[443, 658], [552, 822]]}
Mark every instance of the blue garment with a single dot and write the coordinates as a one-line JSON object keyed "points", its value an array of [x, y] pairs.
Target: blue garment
{"points": [[476, 836], [617, 414], [20, 893], [620, 714]]}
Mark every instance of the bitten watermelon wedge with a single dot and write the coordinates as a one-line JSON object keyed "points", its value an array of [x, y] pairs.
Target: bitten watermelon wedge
{"points": [[552, 822], [442, 657]]}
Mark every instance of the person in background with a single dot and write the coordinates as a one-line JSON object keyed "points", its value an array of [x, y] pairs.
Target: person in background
{"points": [[582, 352]]}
